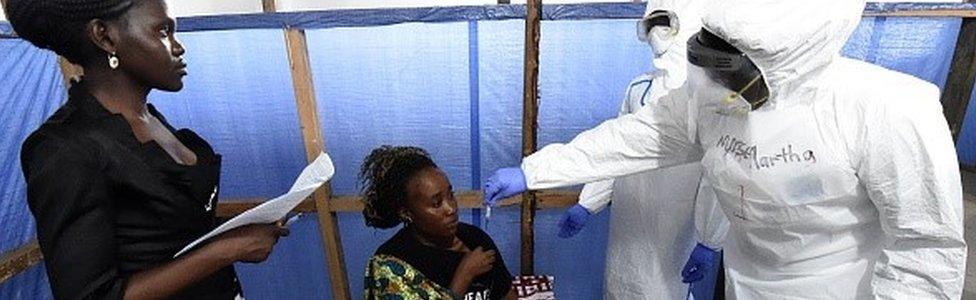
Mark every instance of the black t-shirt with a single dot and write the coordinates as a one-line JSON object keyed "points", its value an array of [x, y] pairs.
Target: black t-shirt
{"points": [[108, 206], [439, 265]]}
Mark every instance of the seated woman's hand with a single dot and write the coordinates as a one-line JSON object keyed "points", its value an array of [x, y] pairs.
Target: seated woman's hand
{"points": [[251, 243], [476, 262]]}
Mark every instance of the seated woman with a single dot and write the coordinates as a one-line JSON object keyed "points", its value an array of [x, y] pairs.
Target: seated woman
{"points": [[115, 190], [433, 256]]}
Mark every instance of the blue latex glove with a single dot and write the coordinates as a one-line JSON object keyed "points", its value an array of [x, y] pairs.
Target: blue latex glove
{"points": [[704, 289], [701, 262], [506, 182], [573, 221]]}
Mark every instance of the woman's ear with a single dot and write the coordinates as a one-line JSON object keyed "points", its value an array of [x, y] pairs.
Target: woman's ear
{"points": [[102, 35]]}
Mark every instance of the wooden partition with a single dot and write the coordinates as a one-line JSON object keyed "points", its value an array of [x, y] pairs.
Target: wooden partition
{"points": [[962, 74], [530, 124], [18, 260]]}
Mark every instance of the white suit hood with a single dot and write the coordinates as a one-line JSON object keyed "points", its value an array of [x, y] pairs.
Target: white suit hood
{"points": [[672, 65], [790, 41]]}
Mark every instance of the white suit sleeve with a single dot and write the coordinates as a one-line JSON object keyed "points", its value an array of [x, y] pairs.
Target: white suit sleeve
{"points": [[710, 222], [656, 136], [596, 196], [909, 167]]}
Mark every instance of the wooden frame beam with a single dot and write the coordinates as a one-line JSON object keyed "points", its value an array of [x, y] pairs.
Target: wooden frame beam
{"points": [[301, 71], [24, 257], [962, 77], [351, 204], [19, 260], [530, 113], [269, 6]]}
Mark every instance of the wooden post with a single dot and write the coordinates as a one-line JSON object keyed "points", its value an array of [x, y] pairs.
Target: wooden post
{"points": [[269, 6], [301, 73], [530, 112], [962, 75], [19, 260]]}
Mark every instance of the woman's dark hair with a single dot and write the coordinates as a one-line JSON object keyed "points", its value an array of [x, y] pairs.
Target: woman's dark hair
{"points": [[384, 176], [59, 25]]}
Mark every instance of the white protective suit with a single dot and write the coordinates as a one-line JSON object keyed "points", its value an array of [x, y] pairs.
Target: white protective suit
{"points": [[651, 228], [844, 184]]}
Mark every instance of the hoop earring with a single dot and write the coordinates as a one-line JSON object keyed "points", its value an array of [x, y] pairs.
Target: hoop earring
{"points": [[113, 61], [406, 220]]}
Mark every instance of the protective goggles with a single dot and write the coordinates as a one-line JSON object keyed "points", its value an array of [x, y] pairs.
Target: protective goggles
{"points": [[727, 66], [712, 53], [657, 18]]}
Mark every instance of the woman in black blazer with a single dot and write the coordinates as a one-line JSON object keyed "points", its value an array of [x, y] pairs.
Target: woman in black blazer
{"points": [[114, 189]]}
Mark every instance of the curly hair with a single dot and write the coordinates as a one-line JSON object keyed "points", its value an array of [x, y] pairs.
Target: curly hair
{"points": [[59, 25], [384, 176]]}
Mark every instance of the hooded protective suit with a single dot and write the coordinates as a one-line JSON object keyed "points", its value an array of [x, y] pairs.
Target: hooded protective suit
{"points": [[652, 228], [844, 184]]}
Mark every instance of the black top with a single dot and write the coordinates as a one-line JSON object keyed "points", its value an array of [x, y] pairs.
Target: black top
{"points": [[108, 206], [438, 265]]}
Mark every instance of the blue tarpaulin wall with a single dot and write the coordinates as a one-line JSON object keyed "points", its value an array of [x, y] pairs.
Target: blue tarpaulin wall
{"points": [[451, 84]]}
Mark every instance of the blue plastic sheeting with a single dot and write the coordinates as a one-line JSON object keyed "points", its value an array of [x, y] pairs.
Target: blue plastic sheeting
{"points": [[922, 47], [5, 29], [880, 7], [239, 97], [966, 143], [474, 98], [577, 89], [380, 17], [404, 84], [30, 90], [295, 270], [551, 12], [31, 284], [501, 63]]}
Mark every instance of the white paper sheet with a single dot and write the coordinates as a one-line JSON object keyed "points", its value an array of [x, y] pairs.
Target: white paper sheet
{"points": [[317, 173]]}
